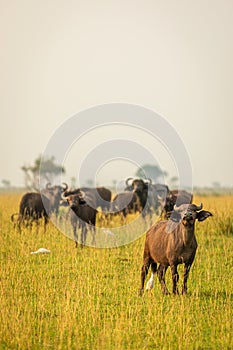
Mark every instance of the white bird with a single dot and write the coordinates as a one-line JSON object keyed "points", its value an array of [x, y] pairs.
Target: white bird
{"points": [[41, 251], [150, 283]]}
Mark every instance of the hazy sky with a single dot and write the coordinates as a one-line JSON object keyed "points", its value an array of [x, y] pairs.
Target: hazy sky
{"points": [[61, 57]]}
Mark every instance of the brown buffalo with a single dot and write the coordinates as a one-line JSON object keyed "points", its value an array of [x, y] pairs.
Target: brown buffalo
{"points": [[170, 243]]}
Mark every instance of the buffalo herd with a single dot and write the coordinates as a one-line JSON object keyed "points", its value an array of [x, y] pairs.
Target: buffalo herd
{"points": [[83, 204], [169, 242]]}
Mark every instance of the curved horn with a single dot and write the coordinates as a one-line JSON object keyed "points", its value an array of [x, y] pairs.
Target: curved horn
{"points": [[148, 180], [176, 208], [65, 186], [83, 194], [199, 207], [64, 195], [127, 180], [48, 185]]}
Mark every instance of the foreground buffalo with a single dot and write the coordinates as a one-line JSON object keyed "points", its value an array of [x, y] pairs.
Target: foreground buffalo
{"points": [[170, 243], [33, 206]]}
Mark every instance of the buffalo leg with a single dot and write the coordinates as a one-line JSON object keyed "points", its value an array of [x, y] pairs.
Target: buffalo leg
{"points": [[45, 223], [153, 267], [144, 273], [150, 283], [83, 234], [74, 221], [93, 235], [93, 230], [186, 274], [161, 276], [37, 225], [175, 279], [74, 225], [19, 225], [30, 224]]}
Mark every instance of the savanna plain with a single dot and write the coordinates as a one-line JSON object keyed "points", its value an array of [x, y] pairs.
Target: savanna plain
{"points": [[88, 298]]}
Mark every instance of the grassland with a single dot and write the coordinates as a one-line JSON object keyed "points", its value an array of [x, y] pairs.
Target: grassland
{"points": [[88, 298]]}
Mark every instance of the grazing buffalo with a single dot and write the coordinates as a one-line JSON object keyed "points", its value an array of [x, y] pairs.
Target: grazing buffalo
{"points": [[170, 243], [82, 212], [33, 206]]}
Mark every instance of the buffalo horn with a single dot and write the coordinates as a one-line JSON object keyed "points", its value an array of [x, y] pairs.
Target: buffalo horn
{"points": [[199, 207], [65, 186], [176, 208], [148, 180], [127, 180], [82, 194], [64, 195]]}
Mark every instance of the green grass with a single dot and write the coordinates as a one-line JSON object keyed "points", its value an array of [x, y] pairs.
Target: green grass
{"points": [[88, 298]]}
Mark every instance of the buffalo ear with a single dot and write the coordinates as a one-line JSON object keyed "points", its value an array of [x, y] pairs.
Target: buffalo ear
{"points": [[203, 215]]}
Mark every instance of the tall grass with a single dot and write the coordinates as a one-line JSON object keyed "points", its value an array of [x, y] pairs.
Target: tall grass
{"points": [[88, 298]]}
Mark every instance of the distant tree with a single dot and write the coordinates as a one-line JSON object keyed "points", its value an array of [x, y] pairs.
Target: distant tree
{"points": [[174, 181], [114, 182], [6, 183], [90, 183], [151, 171], [73, 182], [216, 184], [46, 168]]}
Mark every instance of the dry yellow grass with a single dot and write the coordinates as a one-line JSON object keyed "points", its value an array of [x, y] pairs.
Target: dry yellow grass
{"points": [[88, 298]]}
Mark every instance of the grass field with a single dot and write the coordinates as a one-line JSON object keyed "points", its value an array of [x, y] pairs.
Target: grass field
{"points": [[88, 298]]}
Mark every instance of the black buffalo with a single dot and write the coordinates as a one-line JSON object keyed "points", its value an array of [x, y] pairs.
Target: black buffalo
{"points": [[100, 197], [175, 197], [33, 206], [157, 196], [82, 211], [125, 203], [141, 189]]}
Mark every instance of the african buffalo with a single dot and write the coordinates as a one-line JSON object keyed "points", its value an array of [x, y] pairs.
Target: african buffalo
{"points": [[140, 188], [125, 203], [170, 243], [174, 197], [33, 206], [82, 211]]}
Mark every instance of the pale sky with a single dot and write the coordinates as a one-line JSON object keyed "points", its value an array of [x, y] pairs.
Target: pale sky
{"points": [[61, 57]]}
